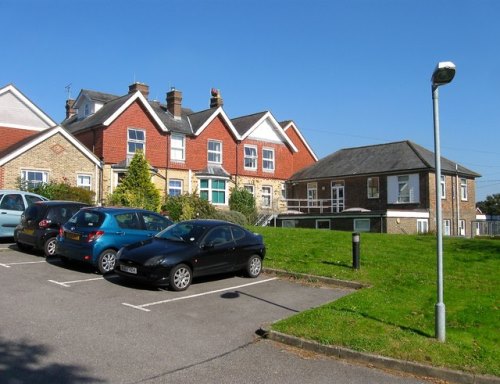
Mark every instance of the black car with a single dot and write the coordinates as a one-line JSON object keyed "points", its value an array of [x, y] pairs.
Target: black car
{"points": [[190, 249], [40, 224]]}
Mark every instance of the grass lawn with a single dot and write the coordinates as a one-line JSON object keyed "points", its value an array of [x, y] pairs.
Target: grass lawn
{"points": [[395, 316]]}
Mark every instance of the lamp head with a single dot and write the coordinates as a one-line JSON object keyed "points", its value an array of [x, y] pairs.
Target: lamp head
{"points": [[444, 73]]}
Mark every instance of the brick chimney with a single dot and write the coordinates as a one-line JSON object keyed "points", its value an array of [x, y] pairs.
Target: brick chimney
{"points": [[216, 100], [141, 87], [174, 102], [70, 111]]}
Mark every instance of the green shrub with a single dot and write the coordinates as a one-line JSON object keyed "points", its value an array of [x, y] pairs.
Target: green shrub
{"points": [[187, 206], [60, 191], [243, 201], [232, 216]]}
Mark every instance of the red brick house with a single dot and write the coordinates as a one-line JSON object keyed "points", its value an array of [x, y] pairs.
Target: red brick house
{"points": [[381, 188], [204, 152]]}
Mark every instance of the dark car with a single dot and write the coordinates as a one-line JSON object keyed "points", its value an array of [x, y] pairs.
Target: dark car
{"points": [[190, 249], [40, 224], [95, 234]]}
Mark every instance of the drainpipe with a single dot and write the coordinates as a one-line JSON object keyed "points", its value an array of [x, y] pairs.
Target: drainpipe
{"points": [[458, 200]]}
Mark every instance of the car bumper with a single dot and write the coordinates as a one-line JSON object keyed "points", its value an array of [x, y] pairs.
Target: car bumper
{"points": [[79, 252], [157, 276]]}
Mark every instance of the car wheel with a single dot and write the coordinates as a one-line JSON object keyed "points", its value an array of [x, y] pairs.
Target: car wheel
{"points": [[23, 247], [106, 261], [180, 277], [49, 247], [254, 266]]}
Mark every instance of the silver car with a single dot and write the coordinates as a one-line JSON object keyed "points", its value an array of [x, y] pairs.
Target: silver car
{"points": [[12, 205]]}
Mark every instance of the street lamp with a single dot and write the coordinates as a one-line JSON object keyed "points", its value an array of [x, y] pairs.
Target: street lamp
{"points": [[443, 74]]}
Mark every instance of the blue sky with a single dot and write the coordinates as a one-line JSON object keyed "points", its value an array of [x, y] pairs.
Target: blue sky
{"points": [[349, 73]]}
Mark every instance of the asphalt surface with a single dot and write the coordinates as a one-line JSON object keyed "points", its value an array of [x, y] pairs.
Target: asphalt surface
{"points": [[67, 324]]}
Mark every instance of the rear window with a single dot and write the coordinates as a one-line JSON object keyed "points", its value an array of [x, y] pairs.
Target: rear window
{"points": [[61, 214], [30, 199], [33, 212], [89, 219]]}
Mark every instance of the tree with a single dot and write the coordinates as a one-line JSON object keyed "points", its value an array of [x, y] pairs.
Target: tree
{"points": [[491, 206], [136, 189], [241, 200]]}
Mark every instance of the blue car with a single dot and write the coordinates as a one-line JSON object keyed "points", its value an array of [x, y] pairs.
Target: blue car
{"points": [[95, 234]]}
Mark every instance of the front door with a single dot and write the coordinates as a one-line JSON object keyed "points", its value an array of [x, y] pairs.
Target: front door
{"points": [[337, 198]]}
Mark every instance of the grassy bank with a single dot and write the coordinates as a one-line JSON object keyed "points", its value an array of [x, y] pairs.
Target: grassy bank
{"points": [[395, 317]]}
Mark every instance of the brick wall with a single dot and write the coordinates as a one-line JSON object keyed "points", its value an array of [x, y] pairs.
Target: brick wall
{"points": [[57, 156]]}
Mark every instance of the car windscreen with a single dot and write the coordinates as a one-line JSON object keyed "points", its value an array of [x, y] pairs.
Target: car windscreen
{"points": [[87, 219], [186, 232]]}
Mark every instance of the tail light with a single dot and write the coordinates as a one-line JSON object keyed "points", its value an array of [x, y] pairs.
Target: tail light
{"points": [[61, 231], [94, 235], [44, 223]]}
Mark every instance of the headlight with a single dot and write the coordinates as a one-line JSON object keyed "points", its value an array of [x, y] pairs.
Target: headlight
{"points": [[154, 261]]}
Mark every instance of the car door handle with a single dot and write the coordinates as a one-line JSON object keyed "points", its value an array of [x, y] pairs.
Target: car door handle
{"points": [[119, 233]]}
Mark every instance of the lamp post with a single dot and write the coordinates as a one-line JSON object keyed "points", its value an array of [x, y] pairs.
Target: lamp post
{"points": [[442, 75]]}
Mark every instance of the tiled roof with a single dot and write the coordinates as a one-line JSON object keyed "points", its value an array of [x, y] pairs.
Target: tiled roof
{"points": [[394, 157], [244, 123]]}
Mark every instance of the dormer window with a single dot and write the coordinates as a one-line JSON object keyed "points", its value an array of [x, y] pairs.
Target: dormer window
{"points": [[86, 111]]}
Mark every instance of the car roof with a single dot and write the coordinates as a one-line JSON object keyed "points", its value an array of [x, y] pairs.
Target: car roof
{"points": [[117, 209], [19, 191], [61, 202], [210, 222]]}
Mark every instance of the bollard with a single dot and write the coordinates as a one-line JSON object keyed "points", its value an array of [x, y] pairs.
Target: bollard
{"points": [[355, 250]]}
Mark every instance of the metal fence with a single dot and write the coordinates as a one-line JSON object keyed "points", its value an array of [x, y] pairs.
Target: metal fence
{"points": [[485, 228]]}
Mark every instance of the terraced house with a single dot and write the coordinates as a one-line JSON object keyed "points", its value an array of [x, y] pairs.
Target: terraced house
{"points": [[202, 152]]}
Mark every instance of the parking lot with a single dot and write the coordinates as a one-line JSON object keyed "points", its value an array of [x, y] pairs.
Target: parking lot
{"points": [[67, 324]]}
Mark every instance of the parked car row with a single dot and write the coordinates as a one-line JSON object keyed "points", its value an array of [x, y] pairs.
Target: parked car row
{"points": [[137, 244]]}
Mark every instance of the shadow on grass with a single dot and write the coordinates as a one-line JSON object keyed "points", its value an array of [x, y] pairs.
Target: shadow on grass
{"points": [[337, 264], [21, 362], [367, 316]]}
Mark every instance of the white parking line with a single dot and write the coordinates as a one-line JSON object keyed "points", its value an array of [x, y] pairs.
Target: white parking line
{"points": [[67, 284], [142, 306], [21, 263]]}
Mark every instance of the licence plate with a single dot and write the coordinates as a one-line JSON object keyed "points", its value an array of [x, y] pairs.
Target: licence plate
{"points": [[29, 231], [72, 236], [125, 268]]}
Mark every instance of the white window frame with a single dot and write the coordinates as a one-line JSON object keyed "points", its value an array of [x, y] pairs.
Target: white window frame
{"points": [[177, 147], [250, 188], [216, 154], [464, 193], [80, 177], [371, 193], [175, 185], [251, 157], [312, 194], [422, 226], [404, 189], [447, 227], [461, 227], [268, 163], [25, 176], [394, 185], [135, 142], [443, 187], [362, 225], [210, 189], [267, 195]]}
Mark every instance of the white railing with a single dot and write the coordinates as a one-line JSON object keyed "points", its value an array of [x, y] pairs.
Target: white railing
{"points": [[309, 206]]}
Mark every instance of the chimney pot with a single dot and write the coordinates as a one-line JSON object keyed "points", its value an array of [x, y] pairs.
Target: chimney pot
{"points": [[216, 100], [141, 87]]}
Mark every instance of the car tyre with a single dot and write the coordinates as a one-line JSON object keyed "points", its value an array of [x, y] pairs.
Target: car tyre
{"points": [[49, 248], [106, 261], [254, 266], [180, 277]]}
